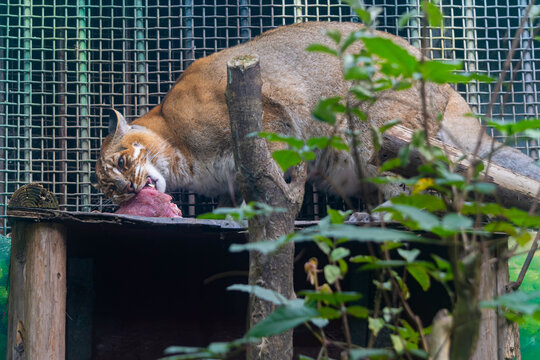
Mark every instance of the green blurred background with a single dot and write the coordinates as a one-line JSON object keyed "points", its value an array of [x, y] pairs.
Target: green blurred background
{"points": [[528, 332]]}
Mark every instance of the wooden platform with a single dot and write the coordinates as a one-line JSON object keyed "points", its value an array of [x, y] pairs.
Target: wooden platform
{"points": [[105, 286]]}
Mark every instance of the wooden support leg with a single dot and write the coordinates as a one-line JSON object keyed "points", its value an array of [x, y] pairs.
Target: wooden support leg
{"points": [[498, 338], [37, 296]]}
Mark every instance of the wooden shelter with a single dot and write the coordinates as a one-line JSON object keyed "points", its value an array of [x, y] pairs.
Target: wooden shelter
{"points": [[105, 286]]}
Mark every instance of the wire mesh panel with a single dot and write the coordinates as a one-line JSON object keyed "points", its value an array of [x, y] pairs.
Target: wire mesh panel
{"points": [[64, 64]]}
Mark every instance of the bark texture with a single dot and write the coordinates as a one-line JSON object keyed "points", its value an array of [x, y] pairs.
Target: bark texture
{"points": [[37, 297], [261, 180]]}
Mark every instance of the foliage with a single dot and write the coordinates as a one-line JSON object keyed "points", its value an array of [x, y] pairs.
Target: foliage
{"points": [[445, 207]]}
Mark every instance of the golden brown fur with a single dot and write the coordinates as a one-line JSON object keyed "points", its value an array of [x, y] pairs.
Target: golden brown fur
{"points": [[185, 141]]}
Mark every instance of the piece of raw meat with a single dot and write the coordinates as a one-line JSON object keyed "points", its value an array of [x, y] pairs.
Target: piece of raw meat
{"points": [[150, 202]]}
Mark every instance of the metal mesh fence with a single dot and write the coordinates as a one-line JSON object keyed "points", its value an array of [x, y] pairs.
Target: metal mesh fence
{"points": [[65, 63]]}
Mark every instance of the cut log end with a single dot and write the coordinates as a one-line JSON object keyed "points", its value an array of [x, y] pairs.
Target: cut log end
{"points": [[243, 62]]}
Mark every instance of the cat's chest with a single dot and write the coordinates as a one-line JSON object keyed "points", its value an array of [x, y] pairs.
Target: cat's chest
{"points": [[210, 176]]}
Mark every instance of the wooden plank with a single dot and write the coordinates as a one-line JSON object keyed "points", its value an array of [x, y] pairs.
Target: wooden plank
{"points": [[37, 297]]}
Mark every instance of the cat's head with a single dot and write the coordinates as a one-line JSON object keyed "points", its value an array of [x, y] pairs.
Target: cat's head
{"points": [[127, 161]]}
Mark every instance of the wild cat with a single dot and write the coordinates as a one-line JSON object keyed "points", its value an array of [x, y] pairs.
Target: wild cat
{"points": [[185, 142]]}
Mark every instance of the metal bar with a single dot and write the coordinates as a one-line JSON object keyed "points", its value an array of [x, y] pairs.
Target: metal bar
{"points": [[3, 120], [298, 13], [61, 120], [528, 79], [470, 53], [83, 122], [140, 59], [187, 33], [25, 166], [244, 20], [414, 27]]}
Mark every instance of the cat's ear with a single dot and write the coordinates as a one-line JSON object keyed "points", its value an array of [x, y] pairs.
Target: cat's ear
{"points": [[118, 125]]}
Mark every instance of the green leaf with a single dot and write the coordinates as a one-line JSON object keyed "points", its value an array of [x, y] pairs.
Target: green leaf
{"points": [[420, 219], [318, 142], [371, 354], [361, 92], [351, 39], [511, 128], [398, 60], [389, 124], [409, 255], [355, 233], [182, 349], [325, 248], [434, 16], [320, 322], [246, 211], [501, 226], [286, 158], [339, 253], [518, 302], [441, 263], [456, 222], [322, 48], [283, 318], [362, 259], [382, 264], [427, 202], [334, 34], [329, 313], [523, 238], [483, 188], [290, 140], [262, 293], [343, 266], [358, 311], [375, 325], [397, 343], [263, 247], [326, 110], [420, 274], [405, 18], [447, 72], [337, 216], [304, 357], [390, 164], [335, 299], [332, 273]]}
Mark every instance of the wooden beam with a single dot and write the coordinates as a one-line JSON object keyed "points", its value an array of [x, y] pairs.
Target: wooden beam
{"points": [[513, 189], [37, 296]]}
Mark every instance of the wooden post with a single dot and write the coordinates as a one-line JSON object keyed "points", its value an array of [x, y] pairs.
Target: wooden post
{"points": [[261, 180], [37, 295], [497, 337]]}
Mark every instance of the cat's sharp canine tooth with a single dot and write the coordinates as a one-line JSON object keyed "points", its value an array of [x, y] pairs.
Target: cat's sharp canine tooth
{"points": [[152, 185]]}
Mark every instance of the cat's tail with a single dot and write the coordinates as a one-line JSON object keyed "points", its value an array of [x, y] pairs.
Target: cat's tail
{"points": [[463, 132]]}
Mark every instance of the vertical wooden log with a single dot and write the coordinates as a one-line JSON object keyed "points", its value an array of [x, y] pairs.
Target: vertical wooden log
{"points": [[508, 332], [486, 346], [37, 297], [497, 337], [261, 180]]}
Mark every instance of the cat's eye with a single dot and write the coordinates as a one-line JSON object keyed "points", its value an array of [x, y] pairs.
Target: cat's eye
{"points": [[121, 163]]}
